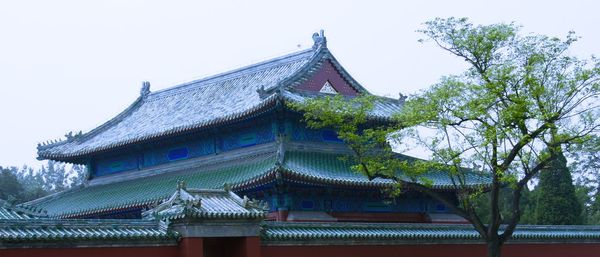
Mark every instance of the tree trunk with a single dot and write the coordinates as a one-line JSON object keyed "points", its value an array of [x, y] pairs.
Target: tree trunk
{"points": [[493, 247]]}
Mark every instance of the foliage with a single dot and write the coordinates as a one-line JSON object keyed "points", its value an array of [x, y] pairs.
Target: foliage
{"points": [[585, 165], [10, 188], [519, 96], [594, 209], [528, 204], [369, 140], [557, 202], [25, 184], [586, 159], [583, 193]]}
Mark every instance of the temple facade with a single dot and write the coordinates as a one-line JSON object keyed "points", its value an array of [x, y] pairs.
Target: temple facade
{"points": [[235, 130], [222, 166]]}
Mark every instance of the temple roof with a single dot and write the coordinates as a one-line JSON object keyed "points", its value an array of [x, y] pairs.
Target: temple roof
{"points": [[331, 233], [144, 191], [207, 102], [306, 163]]}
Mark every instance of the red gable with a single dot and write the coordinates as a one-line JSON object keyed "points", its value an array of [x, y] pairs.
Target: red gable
{"points": [[328, 73]]}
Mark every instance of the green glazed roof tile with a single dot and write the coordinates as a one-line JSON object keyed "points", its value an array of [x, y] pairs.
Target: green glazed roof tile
{"points": [[318, 233], [46, 230], [147, 190], [300, 166], [6, 213], [333, 168], [18, 227], [206, 204]]}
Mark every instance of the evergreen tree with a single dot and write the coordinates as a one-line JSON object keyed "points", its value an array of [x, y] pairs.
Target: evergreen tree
{"points": [[528, 201], [528, 204], [557, 202], [594, 209], [26, 184], [10, 188], [583, 192]]}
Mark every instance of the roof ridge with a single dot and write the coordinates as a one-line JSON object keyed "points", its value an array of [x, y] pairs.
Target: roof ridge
{"points": [[98, 129], [264, 64]]}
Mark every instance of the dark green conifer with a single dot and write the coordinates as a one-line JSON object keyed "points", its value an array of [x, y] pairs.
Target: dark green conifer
{"points": [[557, 202]]}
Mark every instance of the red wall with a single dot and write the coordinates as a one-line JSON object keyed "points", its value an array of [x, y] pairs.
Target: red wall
{"points": [[248, 247], [165, 251], [442, 250]]}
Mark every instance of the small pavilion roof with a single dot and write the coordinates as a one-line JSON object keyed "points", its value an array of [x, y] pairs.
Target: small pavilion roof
{"points": [[188, 203]]}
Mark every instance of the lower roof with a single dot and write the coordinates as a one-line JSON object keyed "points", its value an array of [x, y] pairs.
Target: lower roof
{"points": [[240, 169], [141, 192]]}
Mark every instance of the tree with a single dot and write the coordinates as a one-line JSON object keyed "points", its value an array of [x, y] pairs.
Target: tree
{"points": [[583, 193], [585, 165], [25, 184], [528, 204], [519, 96], [594, 209], [557, 202], [10, 188], [586, 157]]}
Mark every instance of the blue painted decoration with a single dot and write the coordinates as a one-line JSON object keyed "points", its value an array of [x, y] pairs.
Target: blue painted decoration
{"points": [[259, 134], [178, 154], [301, 133], [330, 136], [116, 164], [307, 205]]}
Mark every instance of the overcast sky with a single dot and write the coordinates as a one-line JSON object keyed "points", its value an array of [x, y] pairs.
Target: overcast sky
{"points": [[72, 65]]}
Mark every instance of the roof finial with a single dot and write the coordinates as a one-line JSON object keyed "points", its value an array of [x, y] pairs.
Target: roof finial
{"points": [[262, 93], [181, 185], [226, 187], [320, 39], [145, 89], [402, 98]]}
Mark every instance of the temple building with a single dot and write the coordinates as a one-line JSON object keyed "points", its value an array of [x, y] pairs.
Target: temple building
{"points": [[222, 166]]}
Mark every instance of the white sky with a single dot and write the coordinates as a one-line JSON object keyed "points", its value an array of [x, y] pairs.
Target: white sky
{"points": [[72, 65]]}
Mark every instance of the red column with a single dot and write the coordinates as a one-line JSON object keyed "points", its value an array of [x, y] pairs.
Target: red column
{"points": [[252, 246], [282, 214], [191, 247]]}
